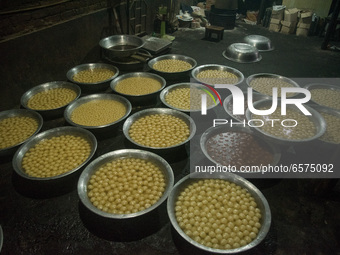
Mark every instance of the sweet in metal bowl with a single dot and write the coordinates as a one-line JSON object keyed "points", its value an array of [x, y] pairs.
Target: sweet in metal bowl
{"points": [[172, 66], [17, 127], [217, 230], [325, 95], [242, 53], [159, 129], [92, 77], [112, 211], [98, 113], [291, 128], [50, 99], [186, 97], [63, 143], [138, 87], [212, 74]]}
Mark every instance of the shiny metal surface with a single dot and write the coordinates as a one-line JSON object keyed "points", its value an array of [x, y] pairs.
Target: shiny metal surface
{"points": [[260, 200], [232, 70], [86, 99], [270, 75], [260, 42], [19, 155], [187, 119], [168, 89], [173, 75], [20, 113], [212, 131], [127, 45], [1, 238], [52, 113], [322, 86], [139, 99], [124, 153], [316, 118], [228, 104], [92, 87], [242, 53]]}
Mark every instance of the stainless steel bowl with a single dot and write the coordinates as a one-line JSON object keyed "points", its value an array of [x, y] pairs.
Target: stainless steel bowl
{"points": [[52, 113], [212, 131], [168, 89], [228, 104], [242, 53], [96, 86], [275, 76], [20, 113], [124, 153], [256, 193], [324, 109], [260, 42], [121, 46], [173, 75], [201, 68], [139, 99], [312, 86], [93, 97], [151, 111], [316, 118], [55, 132]]}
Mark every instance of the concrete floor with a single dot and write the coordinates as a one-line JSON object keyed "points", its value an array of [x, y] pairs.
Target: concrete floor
{"points": [[305, 212]]}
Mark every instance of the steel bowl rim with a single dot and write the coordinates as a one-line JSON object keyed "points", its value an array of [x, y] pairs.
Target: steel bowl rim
{"points": [[172, 56], [227, 100], [212, 130], [206, 66], [270, 75], [322, 86], [47, 86], [321, 126], [268, 41], [90, 169], [115, 82], [37, 117], [255, 52], [126, 36], [229, 177], [20, 153], [74, 70], [331, 111], [71, 107], [128, 122], [165, 91]]}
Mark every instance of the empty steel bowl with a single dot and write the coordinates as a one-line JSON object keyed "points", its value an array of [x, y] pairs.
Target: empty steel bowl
{"points": [[259, 198], [55, 132], [239, 76], [260, 42], [325, 100], [173, 75], [119, 154], [242, 53], [139, 99], [50, 113], [94, 97], [92, 86], [152, 111], [121, 46], [317, 120], [197, 86], [20, 113]]}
